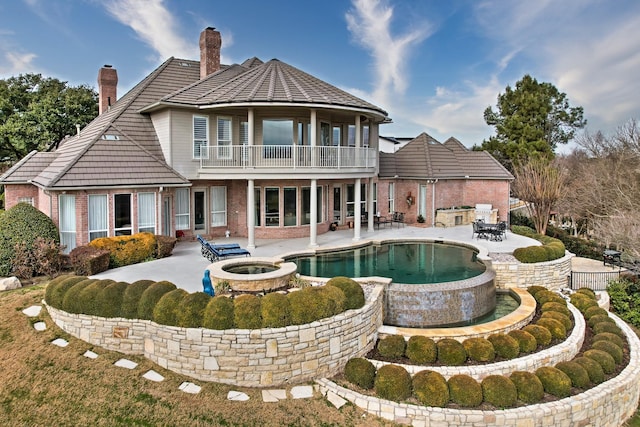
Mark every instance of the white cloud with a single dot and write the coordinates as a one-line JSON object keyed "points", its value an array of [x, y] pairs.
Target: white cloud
{"points": [[17, 63]]}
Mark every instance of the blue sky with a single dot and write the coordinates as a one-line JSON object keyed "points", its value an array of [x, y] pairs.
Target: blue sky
{"points": [[433, 65]]}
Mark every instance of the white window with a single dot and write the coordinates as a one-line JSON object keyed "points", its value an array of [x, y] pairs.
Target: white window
{"points": [[98, 214], [218, 206], [182, 209], [122, 214], [224, 138], [67, 219], [392, 202], [200, 137], [147, 212], [28, 200]]}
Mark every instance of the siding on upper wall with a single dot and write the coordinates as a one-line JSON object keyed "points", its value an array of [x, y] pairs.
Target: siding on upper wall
{"points": [[182, 142], [162, 125]]}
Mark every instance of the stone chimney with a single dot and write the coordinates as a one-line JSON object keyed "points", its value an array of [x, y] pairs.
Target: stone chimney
{"points": [[107, 88], [210, 43]]}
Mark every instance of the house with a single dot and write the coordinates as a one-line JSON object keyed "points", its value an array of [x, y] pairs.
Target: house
{"points": [[258, 150]]}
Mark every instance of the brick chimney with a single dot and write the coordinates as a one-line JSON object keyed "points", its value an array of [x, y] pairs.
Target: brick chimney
{"points": [[107, 88], [210, 43]]}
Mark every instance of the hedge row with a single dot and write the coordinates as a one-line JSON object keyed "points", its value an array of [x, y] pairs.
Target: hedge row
{"points": [[163, 303], [550, 249]]}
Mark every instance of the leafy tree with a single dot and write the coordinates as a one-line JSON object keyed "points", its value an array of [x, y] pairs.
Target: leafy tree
{"points": [[37, 112], [531, 118]]}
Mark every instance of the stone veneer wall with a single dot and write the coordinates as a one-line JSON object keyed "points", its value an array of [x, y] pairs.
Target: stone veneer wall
{"points": [[252, 358], [607, 404], [551, 274]]}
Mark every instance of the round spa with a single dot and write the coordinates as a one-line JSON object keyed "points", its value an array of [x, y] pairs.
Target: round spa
{"points": [[253, 274], [433, 283]]}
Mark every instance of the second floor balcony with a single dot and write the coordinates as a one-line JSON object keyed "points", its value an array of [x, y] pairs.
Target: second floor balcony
{"points": [[288, 158]]}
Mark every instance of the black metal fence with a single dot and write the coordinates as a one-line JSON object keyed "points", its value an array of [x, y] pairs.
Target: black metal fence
{"points": [[596, 281]]}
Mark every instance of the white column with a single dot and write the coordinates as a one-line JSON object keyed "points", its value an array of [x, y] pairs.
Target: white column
{"points": [[358, 130], [313, 215], [370, 206], [251, 215], [357, 214]]}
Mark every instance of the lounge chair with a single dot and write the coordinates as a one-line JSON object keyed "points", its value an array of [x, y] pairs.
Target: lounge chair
{"points": [[216, 252], [221, 246]]}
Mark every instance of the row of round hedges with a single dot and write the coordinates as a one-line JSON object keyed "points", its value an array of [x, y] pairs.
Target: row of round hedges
{"points": [[127, 250], [550, 249], [163, 303]]}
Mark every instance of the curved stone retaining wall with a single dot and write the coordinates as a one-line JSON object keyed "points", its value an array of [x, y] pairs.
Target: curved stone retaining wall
{"points": [[553, 275], [252, 358], [608, 404]]}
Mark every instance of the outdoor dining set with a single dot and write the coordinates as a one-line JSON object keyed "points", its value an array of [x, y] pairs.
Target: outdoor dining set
{"points": [[490, 231]]}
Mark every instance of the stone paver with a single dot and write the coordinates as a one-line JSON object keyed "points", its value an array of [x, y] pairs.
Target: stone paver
{"points": [[335, 400], [40, 326], [60, 342], [125, 363], [191, 388], [152, 375], [274, 395], [237, 396], [302, 392], [32, 311], [90, 354]]}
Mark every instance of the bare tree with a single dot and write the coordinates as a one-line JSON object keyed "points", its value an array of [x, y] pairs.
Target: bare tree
{"points": [[539, 181]]}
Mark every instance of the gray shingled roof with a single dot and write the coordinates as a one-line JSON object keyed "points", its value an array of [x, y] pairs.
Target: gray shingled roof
{"points": [[28, 168], [426, 158]]}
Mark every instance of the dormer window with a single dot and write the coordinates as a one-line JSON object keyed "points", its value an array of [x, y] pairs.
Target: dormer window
{"points": [[110, 137]]}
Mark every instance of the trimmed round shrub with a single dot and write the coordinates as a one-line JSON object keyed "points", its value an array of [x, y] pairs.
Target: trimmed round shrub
{"points": [[479, 349], [595, 311], [308, 305], [87, 301], [600, 318], [529, 386], [593, 368], [247, 312], [556, 328], [430, 388], [606, 361], [131, 298], [608, 336], [544, 297], [352, 290], [276, 311], [22, 223], [191, 310], [613, 349], [392, 346], [499, 391], [55, 292], [554, 381], [505, 346], [583, 302], [612, 328], [71, 302], [393, 382], [526, 341], [451, 352], [219, 313], [578, 375], [421, 350], [534, 289], [566, 321], [166, 310], [531, 254], [150, 298], [465, 391], [588, 292], [361, 372], [542, 334], [335, 298], [52, 284], [108, 302], [555, 306]]}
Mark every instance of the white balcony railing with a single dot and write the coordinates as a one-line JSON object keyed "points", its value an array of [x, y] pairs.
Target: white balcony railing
{"points": [[287, 156]]}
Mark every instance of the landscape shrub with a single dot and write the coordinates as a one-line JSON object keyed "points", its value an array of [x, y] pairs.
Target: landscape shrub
{"points": [[624, 296], [392, 346], [599, 318], [588, 292], [219, 313], [308, 305], [554, 381], [582, 302], [23, 223], [566, 321], [421, 350], [335, 298], [542, 335], [556, 328], [499, 391], [47, 254], [612, 328], [191, 310], [612, 349], [247, 312], [131, 298], [531, 254], [58, 287], [505, 346], [543, 297], [554, 306], [479, 349], [604, 359], [451, 352], [534, 289], [70, 302], [578, 375], [86, 302], [352, 290], [529, 386], [593, 368], [108, 301], [465, 391], [608, 336], [276, 311], [164, 246], [361, 372], [430, 388], [551, 248], [166, 310], [595, 311], [526, 341], [127, 250], [87, 260], [393, 382], [150, 298]]}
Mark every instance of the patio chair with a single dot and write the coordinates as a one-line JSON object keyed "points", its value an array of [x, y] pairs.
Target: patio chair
{"points": [[219, 246], [216, 252], [398, 218]]}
